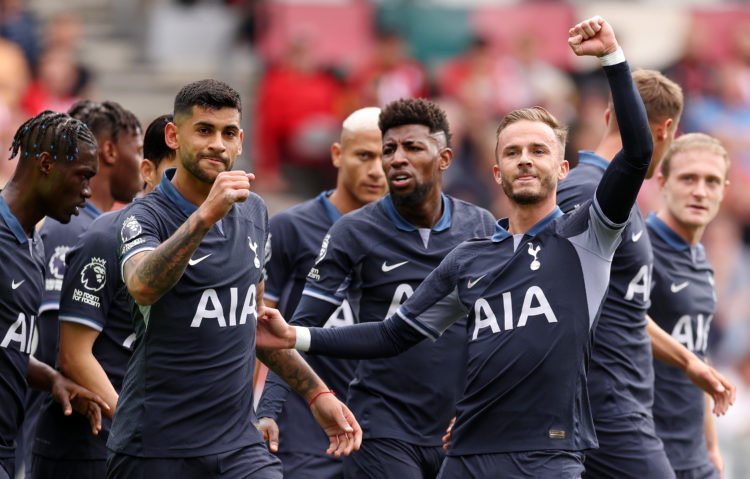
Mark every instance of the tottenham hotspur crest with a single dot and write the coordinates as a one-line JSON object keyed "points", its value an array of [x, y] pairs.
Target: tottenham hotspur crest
{"points": [[254, 248], [535, 264]]}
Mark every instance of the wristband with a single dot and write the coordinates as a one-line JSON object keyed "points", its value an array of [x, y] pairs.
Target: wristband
{"points": [[302, 339], [613, 58], [316, 396]]}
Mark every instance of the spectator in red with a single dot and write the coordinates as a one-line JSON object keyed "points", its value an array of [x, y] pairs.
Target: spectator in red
{"points": [[296, 120], [390, 74]]}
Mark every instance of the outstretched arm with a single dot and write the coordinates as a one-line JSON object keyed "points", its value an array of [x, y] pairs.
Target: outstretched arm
{"points": [[670, 351], [335, 418], [619, 186]]}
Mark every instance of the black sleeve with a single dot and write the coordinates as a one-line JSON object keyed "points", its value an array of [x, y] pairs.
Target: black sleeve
{"points": [[378, 339], [619, 186]]}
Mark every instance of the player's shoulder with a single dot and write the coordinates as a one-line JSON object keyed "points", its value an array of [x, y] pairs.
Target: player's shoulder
{"points": [[369, 216], [467, 211], [300, 211]]}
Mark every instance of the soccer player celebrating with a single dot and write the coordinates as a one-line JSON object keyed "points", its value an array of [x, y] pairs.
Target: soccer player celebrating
{"points": [[191, 256], [377, 256], [57, 159], [296, 235], [693, 179], [120, 143], [532, 291], [621, 376], [96, 334]]}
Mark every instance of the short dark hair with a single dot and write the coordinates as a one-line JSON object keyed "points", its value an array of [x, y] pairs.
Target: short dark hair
{"points": [[210, 94], [58, 134], [155, 147], [415, 111], [105, 117]]}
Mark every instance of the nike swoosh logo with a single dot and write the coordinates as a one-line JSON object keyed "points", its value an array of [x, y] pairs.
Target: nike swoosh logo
{"points": [[676, 288], [391, 267], [193, 262], [637, 236], [472, 283], [15, 285]]}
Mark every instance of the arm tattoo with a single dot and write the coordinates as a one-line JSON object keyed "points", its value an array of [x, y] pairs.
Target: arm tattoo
{"points": [[161, 268], [289, 366]]}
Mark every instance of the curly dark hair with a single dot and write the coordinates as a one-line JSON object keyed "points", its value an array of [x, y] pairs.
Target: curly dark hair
{"points": [[59, 134], [415, 111], [105, 117]]}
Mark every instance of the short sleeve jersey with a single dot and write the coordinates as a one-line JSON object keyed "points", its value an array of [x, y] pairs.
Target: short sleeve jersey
{"points": [[58, 239], [376, 259], [186, 390], [683, 304], [93, 295], [621, 374], [21, 285], [532, 301], [296, 234]]}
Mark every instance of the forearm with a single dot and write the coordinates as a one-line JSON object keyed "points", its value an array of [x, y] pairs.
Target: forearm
{"points": [[622, 180], [158, 270], [312, 312], [667, 349], [83, 368], [289, 366], [39, 375], [274, 396], [365, 341], [712, 439]]}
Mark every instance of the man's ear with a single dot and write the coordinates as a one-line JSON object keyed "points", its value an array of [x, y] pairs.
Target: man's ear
{"points": [[108, 152], [336, 154], [446, 156], [171, 135], [46, 163]]}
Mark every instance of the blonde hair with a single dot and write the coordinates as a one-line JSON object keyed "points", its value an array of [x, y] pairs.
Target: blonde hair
{"points": [[538, 114], [693, 141], [661, 96]]}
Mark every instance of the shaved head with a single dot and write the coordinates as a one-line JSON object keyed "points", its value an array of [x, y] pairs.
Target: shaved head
{"points": [[364, 119]]}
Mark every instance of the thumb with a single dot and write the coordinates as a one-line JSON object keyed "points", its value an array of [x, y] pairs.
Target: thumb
{"points": [[65, 403], [342, 421], [273, 439]]}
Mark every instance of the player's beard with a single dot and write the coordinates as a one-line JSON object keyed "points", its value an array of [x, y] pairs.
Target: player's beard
{"points": [[415, 198], [191, 165], [547, 186]]}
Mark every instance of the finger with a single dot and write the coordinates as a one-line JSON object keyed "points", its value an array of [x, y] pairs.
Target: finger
{"points": [[588, 30], [95, 418], [251, 177], [273, 440], [333, 443], [65, 403]]}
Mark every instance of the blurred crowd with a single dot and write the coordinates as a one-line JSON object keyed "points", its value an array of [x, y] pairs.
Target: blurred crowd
{"points": [[300, 98]]}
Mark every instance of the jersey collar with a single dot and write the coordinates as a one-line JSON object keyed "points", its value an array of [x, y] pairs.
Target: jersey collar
{"points": [[390, 211], [591, 158], [331, 211], [12, 222], [168, 189], [666, 233], [501, 226]]}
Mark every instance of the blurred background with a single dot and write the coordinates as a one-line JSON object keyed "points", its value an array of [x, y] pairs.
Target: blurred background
{"points": [[303, 65]]}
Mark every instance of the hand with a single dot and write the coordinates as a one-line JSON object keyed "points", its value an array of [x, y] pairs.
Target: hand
{"points": [[72, 396], [712, 382], [339, 424], [447, 437], [593, 37], [715, 457], [230, 187], [273, 332], [270, 431]]}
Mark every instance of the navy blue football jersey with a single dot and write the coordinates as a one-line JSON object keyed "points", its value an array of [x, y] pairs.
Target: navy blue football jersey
{"points": [[683, 304], [93, 295], [376, 259], [187, 389], [296, 234], [21, 285], [621, 373]]}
